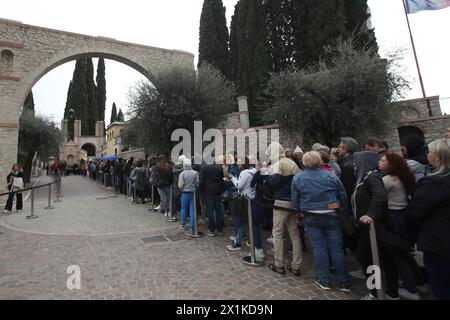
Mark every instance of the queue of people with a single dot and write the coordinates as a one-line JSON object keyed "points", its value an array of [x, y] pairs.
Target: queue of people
{"points": [[330, 196]]}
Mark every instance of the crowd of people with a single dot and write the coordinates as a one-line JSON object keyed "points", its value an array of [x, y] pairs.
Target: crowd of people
{"points": [[332, 196]]}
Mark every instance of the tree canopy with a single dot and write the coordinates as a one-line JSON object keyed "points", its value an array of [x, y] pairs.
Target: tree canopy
{"points": [[175, 99], [350, 93]]}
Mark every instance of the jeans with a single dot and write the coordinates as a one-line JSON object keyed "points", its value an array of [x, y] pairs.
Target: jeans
{"points": [[256, 217], [215, 213], [437, 268], [232, 205], [187, 203], [326, 238], [9, 202], [164, 192], [130, 187], [399, 223]]}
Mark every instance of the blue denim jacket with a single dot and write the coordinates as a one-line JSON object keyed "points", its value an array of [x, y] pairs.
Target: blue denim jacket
{"points": [[315, 189]]}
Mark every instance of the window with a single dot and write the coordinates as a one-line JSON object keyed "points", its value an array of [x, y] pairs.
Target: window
{"points": [[6, 62]]}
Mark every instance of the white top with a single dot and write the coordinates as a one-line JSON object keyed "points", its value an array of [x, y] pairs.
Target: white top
{"points": [[243, 183], [396, 193]]}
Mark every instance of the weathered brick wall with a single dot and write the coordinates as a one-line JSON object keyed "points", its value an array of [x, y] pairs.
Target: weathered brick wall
{"points": [[136, 154]]}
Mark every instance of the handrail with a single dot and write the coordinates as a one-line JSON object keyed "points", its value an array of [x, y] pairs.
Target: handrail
{"points": [[30, 188]]}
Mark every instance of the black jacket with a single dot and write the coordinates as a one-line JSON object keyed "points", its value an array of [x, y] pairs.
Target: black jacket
{"points": [[258, 181], [370, 197], [17, 174], [162, 178], [211, 180], [348, 176], [430, 209]]}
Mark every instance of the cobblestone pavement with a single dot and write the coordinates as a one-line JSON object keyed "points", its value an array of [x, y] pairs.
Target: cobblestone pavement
{"points": [[102, 234]]}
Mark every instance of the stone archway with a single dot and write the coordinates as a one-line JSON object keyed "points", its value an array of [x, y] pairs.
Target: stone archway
{"points": [[406, 130], [29, 52], [90, 149]]}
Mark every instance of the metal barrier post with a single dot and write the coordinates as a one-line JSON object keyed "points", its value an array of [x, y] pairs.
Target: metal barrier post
{"points": [[32, 216], [60, 188], [251, 260], [171, 217], [153, 198], [49, 206], [57, 193], [376, 259], [195, 233]]}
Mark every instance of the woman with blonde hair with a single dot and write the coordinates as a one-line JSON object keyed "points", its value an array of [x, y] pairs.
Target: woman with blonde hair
{"points": [[15, 174], [430, 209], [316, 194]]}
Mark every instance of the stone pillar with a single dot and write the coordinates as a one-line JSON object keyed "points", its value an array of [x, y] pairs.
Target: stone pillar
{"points": [[8, 150], [64, 128], [99, 129], [243, 110], [77, 131]]}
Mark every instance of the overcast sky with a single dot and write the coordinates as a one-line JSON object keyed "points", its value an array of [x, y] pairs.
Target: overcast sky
{"points": [[174, 24]]}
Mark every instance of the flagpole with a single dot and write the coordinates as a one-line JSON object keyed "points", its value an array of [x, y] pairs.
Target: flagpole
{"points": [[415, 57]]}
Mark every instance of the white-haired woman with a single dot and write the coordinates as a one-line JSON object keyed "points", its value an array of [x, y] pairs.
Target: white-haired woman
{"points": [[430, 208], [317, 194]]}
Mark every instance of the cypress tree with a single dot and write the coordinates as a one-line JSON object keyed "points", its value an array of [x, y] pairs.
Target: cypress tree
{"points": [[322, 22], [213, 42], [254, 62], [357, 15], [120, 116], [113, 113], [70, 121], [29, 102], [101, 89], [78, 99], [234, 47], [91, 92]]}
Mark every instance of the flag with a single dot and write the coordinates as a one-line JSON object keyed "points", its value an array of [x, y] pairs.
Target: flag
{"points": [[413, 6]]}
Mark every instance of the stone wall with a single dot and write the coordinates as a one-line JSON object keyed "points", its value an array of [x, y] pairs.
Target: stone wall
{"points": [[136, 154]]}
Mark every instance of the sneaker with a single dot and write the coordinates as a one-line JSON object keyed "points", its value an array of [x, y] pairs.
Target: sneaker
{"points": [[369, 297], [234, 247], [19, 210], [269, 240], [346, 287], [405, 294], [174, 219], [219, 234], [158, 208], [388, 297], [357, 274], [6, 211], [425, 289], [183, 227], [323, 285], [259, 254], [233, 238], [210, 234], [247, 243]]}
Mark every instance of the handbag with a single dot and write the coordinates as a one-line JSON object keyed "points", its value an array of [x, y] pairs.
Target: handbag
{"points": [[17, 184]]}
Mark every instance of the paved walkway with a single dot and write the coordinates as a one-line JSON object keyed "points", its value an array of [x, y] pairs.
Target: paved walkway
{"points": [[103, 235]]}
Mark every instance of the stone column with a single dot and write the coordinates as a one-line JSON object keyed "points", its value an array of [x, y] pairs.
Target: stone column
{"points": [[243, 110], [9, 137], [64, 128]]}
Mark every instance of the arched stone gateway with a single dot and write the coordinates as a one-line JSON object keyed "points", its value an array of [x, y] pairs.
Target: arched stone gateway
{"points": [[29, 52]]}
